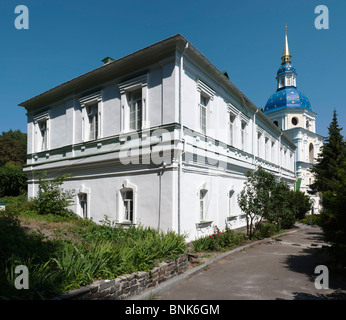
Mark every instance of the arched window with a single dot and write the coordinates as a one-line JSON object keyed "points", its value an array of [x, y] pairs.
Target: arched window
{"points": [[231, 203], [311, 153], [83, 204], [203, 204], [127, 201]]}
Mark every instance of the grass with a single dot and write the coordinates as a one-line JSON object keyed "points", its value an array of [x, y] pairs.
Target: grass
{"points": [[65, 253]]}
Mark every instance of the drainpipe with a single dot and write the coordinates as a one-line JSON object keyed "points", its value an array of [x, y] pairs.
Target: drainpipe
{"points": [[181, 133], [254, 137], [279, 156]]}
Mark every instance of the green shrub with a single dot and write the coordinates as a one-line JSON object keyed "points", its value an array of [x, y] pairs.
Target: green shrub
{"points": [[219, 240], [314, 219], [300, 203], [52, 198], [266, 230], [13, 181]]}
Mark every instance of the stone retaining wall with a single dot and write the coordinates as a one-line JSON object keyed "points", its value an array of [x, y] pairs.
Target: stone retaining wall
{"points": [[129, 285]]}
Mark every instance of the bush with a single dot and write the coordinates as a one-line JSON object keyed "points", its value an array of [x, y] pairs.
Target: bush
{"points": [[219, 240], [13, 181], [20, 205], [314, 219], [266, 230], [300, 203], [51, 198]]}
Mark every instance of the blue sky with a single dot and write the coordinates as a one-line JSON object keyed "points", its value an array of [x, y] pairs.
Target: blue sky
{"points": [[245, 38]]}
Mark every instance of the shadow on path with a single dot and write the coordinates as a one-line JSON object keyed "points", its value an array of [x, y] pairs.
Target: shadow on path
{"points": [[306, 262]]}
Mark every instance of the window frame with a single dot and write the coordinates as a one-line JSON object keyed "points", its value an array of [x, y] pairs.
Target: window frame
{"points": [[125, 187], [93, 124], [92, 100], [83, 208], [231, 202], [128, 205], [87, 192], [231, 131], [126, 88], [38, 138], [203, 112], [203, 203], [243, 126], [134, 102], [206, 92]]}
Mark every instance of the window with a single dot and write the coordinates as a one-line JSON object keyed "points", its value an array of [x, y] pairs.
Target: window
{"points": [[42, 126], [259, 144], [127, 198], [92, 116], [203, 113], [294, 121], [311, 153], [231, 129], [41, 129], [92, 112], [230, 203], [83, 205], [202, 204], [136, 110], [266, 148], [243, 135], [276, 123]]}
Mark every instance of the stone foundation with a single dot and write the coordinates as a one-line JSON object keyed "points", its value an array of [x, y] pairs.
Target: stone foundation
{"points": [[129, 285]]}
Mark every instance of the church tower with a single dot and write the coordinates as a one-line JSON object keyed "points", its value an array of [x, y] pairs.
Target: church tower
{"points": [[291, 111]]}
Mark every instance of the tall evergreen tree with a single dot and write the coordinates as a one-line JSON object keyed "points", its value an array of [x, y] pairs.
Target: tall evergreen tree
{"points": [[330, 175], [329, 159]]}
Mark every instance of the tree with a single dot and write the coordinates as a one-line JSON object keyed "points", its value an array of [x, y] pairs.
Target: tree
{"points": [[329, 159], [333, 216], [254, 199], [13, 147], [52, 198], [300, 202], [282, 211], [265, 198], [330, 181], [13, 181]]}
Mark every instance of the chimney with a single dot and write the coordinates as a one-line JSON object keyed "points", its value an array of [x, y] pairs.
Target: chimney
{"points": [[107, 60]]}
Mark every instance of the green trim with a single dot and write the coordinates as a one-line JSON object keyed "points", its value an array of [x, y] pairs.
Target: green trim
{"points": [[298, 183], [204, 224], [116, 139]]}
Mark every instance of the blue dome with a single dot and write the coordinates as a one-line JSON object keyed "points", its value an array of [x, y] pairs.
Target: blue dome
{"points": [[287, 97], [287, 67]]}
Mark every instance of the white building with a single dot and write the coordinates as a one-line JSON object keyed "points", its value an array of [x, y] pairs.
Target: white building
{"points": [[291, 111], [160, 138]]}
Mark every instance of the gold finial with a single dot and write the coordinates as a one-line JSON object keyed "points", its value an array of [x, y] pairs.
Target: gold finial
{"points": [[286, 57]]}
